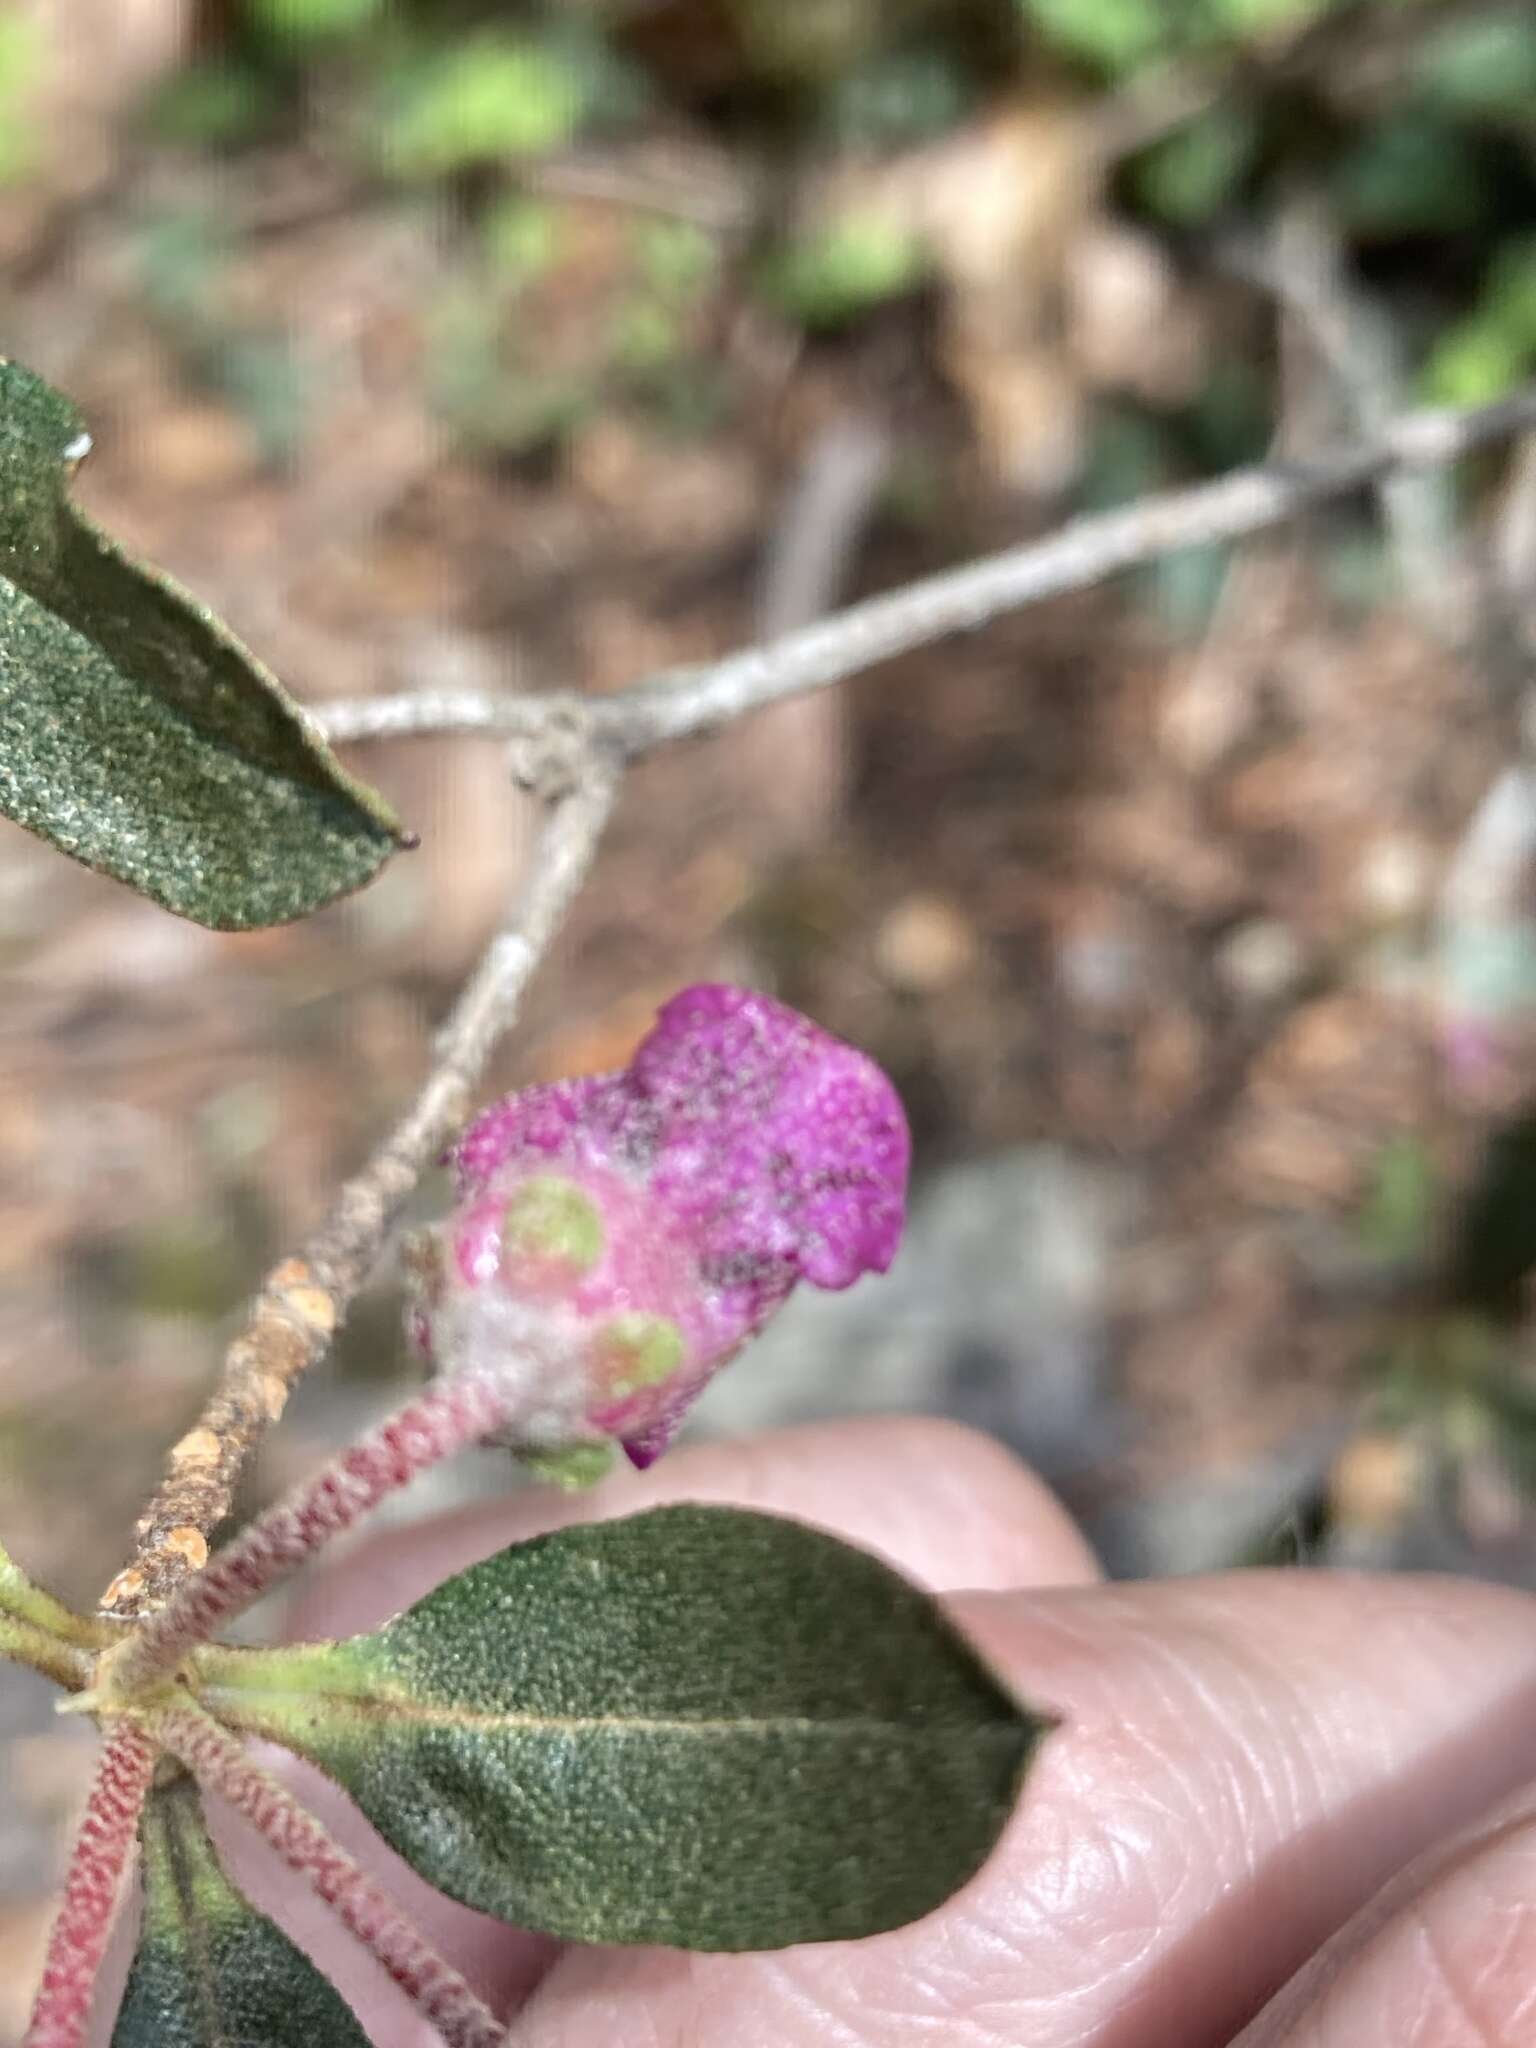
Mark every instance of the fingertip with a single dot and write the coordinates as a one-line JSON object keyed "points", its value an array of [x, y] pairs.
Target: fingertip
{"points": [[947, 1505]]}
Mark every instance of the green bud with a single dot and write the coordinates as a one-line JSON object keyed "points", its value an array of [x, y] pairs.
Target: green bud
{"points": [[639, 1351], [573, 1466], [551, 1219]]}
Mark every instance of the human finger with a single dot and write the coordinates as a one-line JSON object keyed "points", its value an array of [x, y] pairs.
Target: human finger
{"points": [[1244, 1760], [947, 1505], [1443, 1957]]}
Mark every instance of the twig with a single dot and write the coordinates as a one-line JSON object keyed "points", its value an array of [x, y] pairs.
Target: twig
{"points": [[1302, 263], [448, 1417], [221, 1765], [416, 713], [1084, 552], [305, 1297], [62, 2010]]}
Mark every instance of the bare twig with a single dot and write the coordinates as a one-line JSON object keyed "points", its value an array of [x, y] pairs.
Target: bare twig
{"points": [[1084, 552], [447, 1417], [303, 1299], [414, 714], [1303, 264]]}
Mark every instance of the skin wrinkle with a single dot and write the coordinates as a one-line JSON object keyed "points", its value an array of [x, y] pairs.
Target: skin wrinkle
{"points": [[1219, 1953], [1443, 1974]]}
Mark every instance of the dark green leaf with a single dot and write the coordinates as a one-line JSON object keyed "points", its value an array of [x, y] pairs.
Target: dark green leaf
{"points": [[136, 733], [703, 1727], [210, 1971]]}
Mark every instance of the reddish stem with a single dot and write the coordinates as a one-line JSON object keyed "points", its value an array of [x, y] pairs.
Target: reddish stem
{"points": [[62, 2009], [447, 1417], [220, 1765]]}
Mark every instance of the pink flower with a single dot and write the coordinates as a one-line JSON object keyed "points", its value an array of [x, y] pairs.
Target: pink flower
{"points": [[631, 1231]]}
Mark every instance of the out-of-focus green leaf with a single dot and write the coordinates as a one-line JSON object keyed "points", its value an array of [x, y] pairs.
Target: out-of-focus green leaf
{"points": [[305, 20], [1119, 36], [216, 103], [700, 1726], [1400, 1203], [1488, 352], [827, 276], [899, 98], [136, 733], [1197, 170], [210, 1971], [1115, 35], [1483, 64], [488, 98], [1410, 174], [521, 240]]}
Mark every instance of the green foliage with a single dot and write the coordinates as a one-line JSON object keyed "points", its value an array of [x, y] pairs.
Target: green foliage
{"points": [[898, 98], [827, 276], [483, 391], [209, 1970], [489, 98], [1121, 36], [700, 1726], [1400, 1203], [217, 103], [303, 20], [521, 240], [1482, 65], [136, 733], [1488, 352], [1412, 174], [1199, 169]]}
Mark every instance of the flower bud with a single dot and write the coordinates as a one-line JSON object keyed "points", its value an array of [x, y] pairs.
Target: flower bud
{"points": [[627, 1233]]}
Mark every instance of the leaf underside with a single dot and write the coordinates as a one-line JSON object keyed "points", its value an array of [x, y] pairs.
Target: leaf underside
{"points": [[699, 1726], [210, 1971], [136, 733]]}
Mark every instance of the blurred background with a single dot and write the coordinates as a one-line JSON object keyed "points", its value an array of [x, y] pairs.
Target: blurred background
{"points": [[545, 345]]}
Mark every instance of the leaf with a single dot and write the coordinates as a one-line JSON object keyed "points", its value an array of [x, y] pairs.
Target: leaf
{"points": [[699, 1726], [210, 1971], [136, 733]]}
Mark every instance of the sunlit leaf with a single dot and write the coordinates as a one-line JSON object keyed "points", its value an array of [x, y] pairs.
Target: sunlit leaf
{"points": [[210, 1971], [136, 733], [700, 1726]]}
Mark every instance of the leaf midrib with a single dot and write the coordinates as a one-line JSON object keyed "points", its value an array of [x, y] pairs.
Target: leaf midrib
{"points": [[233, 1707]]}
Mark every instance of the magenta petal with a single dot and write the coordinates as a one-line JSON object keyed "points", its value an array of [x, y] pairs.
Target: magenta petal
{"points": [[777, 1141], [550, 1120]]}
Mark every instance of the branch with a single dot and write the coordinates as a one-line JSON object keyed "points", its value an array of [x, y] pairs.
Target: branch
{"points": [[447, 1417], [304, 1298], [413, 714], [1084, 552]]}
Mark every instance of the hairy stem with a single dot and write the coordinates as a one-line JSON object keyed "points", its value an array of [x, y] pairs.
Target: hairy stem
{"points": [[65, 1663], [221, 1765], [62, 2010], [449, 1416], [303, 1299], [21, 1601]]}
